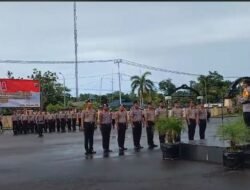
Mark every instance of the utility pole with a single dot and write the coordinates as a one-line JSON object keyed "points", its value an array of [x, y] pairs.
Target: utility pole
{"points": [[112, 87], [100, 90], [64, 94], [119, 77], [76, 59]]}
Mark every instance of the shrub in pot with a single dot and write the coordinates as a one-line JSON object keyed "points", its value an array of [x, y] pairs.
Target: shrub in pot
{"points": [[236, 133], [170, 127]]}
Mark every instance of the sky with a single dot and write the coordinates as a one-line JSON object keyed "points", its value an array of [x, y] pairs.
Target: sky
{"points": [[194, 37]]}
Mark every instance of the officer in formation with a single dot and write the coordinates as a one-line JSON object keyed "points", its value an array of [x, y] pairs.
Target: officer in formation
{"points": [[25, 122]]}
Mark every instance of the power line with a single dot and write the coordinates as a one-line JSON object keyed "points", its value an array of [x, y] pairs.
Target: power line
{"points": [[122, 61]]}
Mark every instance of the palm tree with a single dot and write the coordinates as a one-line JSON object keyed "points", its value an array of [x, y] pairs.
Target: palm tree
{"points": [[143, 85]]}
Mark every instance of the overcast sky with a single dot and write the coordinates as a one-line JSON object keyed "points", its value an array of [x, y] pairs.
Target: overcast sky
{"points": [[192, 37]]}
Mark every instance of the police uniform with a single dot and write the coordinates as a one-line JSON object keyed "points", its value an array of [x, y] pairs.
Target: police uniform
{"points": [[245, 100], [149, 123], [136, 116], [192, 121], [69, 120], [105, 127], [122, 124], [74, 117], [58, 122], [202, 118], [49, 119], [79, 116], [40, 120], [89, 120], [25, 126], [161, 112], [14, 119], [31, 122], [63, 120]]}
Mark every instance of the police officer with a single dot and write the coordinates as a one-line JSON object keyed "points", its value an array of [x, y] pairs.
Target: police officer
{"points": [[105, 119], [24, 119], [136, 118], [58, 121], [49, 119], [53, 115], [14, 119], [63, 119], [74, 117], [177, 112], [40, 120], [31, 122], [192, 120], [149, 115], [245, 101], [121, 119], [69, 120], [89, 122], [79, 116], [161, 111], [202, 121], [46, 124]]}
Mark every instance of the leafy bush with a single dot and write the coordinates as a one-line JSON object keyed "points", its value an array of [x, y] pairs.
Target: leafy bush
{"points": [[170, 126], [54, 108], [236, 132]]}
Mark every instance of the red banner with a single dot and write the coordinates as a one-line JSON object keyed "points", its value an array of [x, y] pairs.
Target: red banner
{"points": [[19, 93]]}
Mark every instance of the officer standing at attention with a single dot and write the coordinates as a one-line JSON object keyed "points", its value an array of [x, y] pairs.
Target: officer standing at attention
{"points": [[105, 119], [24, 119], [136, 119], [202, 120], [161, 111], [40, 120], [69, 120], [149, 114], [74, 117], [79, 116], [89, 122], [58, 122], [177, 112], [14, 123], [121, 125], [192, 120], [245, 101], [63, 120]]}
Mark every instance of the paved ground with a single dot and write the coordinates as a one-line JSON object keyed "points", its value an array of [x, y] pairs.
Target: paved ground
{"points": [[57, 162]]}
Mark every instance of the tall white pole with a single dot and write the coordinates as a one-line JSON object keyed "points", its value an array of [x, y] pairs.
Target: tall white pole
{"points": [[64, 94], [76, 58], [119, 75]]}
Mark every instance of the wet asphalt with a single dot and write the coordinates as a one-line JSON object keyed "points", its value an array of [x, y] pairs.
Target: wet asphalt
{"points": [[57, 161]]}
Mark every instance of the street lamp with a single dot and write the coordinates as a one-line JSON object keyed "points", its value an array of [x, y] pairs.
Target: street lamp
{"points": [[63, 89]]}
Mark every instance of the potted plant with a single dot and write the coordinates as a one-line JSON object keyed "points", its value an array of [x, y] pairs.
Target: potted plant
{"points": [[171, 127], [236, 133]]}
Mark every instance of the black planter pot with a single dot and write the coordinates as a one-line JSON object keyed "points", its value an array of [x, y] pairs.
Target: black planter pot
{"points": [[170, 151], [233, 160]]}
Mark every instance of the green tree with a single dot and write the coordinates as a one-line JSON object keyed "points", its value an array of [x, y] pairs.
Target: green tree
{"points": [[143, 86], [52, 92], [167, 87]]}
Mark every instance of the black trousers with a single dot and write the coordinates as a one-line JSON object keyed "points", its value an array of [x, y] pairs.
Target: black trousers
{"points": [[20, 127], [63, 125], [79, 122], [74, 124], [121, 134], [50, 125], [69, 124], [246, 117], [45, 126], [25, 127], [105, 130], [14, 124], [203, 126], [31, 126], [89, 128], [40, 127], [191, 129], [150, 133], [53, 125], [58, 125], [137, 129]]}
